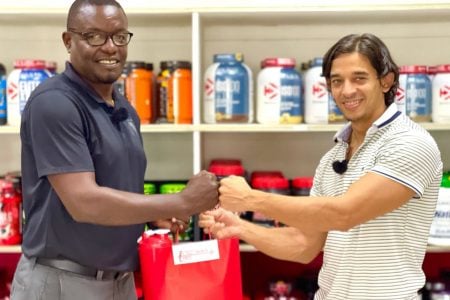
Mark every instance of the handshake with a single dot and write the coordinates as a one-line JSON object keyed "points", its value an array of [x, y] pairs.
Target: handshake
{"points": [[215, 201]]}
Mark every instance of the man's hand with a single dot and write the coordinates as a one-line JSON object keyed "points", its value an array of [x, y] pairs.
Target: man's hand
{"points": [[174, 225], [201, 193], [220, 223], [234, 192]]}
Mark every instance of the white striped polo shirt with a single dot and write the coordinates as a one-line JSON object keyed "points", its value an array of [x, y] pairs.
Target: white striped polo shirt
{"points": [[382, 258]]}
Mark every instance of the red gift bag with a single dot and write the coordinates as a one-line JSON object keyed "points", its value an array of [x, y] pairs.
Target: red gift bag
{"points": [[189, 271]]}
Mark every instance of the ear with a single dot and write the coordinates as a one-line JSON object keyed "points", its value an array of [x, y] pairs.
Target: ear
{"points": [[67, 40], [387, 81]]}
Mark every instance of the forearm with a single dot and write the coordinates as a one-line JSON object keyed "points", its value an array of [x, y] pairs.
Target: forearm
{"points": [[106, 206], [309, 214], [285, 243]]}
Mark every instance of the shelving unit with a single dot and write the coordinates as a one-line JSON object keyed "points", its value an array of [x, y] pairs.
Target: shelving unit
{"points": [[413, 30]]}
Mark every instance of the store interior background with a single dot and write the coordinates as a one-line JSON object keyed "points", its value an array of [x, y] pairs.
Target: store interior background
{"points": [[416, 32]]}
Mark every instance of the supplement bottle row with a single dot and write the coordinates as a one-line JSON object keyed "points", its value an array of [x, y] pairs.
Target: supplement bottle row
{"points": [[164, 98]]}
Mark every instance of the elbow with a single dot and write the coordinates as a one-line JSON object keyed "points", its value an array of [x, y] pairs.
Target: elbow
{"points": [[80, 210], [345, 221]]}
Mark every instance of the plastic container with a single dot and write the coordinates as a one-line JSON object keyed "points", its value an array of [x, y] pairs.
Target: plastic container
{"points": [[301, 186], [400, 95], [25, 77], [440, 227], [441, 95], [417, 93], [179, 93], [162, 86], [171, 188], [276, 185], [279, 92], [10, 214], [138, 88], [316, 94], [2, 95], [228, 90], [226, 167]]}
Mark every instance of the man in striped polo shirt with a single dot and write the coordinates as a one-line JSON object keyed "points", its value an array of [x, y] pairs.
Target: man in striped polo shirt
{"points": [[374, 192]]}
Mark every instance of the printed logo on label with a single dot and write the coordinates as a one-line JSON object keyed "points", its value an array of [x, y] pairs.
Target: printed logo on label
{"points": [[271, 90], [12, 91], [319, 89], [186, 253], [209, 86], [400, 94], [444, 92]]}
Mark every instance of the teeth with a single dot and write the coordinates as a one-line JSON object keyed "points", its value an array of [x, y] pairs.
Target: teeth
{"points": [[108, 62]]}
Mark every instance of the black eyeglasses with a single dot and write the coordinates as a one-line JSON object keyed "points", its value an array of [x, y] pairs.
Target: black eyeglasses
{"points": [[99, 38]]}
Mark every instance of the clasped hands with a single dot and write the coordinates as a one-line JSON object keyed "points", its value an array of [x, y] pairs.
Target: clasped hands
{"points": [[234, 197]]}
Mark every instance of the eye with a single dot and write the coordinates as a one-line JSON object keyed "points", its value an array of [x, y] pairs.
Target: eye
{"points": [[94, 36], [121, 37], [336, 81]]}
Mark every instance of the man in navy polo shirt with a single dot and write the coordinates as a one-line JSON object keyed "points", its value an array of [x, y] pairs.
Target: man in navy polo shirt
{"points": [[83, 167]]}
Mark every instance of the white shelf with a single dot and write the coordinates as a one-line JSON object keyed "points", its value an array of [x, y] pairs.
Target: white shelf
{"points": [[187, 6], [175, 128]]}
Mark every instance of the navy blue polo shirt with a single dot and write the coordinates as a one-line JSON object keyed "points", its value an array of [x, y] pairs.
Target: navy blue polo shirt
{"points": [[66, 127]]}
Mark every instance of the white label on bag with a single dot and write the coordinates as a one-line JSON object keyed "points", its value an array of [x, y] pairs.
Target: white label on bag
{"points": [[186, 253]]}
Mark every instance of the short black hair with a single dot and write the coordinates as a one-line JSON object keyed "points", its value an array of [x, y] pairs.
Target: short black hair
{"points": [[78, 4], [374, 49]]}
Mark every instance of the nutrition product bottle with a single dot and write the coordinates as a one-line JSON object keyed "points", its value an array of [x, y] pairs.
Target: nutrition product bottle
{"points": [[138, 87], [316, 94], [162, 87], [120, 83], [400, 94], [51, 66], [279, 92], [228, 90], [418, 93], [276, 185], [179, 93], [171, 188], [441, 95], [2, 94], [25, 77], [440, 227], [301, 186]]}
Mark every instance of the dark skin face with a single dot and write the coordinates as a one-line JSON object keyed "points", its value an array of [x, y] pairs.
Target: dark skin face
{"points": [[99, 66]]}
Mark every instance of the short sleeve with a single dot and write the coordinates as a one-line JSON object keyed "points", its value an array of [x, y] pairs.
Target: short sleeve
{"points": [[411, 159], [56, 134]]}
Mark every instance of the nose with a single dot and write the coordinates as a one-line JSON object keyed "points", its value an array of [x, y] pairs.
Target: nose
{"points": [[348, 89], [109, 46]]}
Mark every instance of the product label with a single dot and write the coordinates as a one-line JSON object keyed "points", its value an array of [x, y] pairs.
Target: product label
{"points": [[418, 96], [316, 97], [291, 109], [209, 106], [440, 227], [231, 92], [186, 253], [334, 113], [2, 97], [400, 95], [441, 98]]}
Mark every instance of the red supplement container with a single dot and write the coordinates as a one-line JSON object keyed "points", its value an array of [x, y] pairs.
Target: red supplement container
{"points": [[276, 185], [301, 186], [10, 214]]}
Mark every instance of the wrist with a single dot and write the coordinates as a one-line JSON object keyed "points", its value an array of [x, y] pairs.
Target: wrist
{"points": [[254, 200]]}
